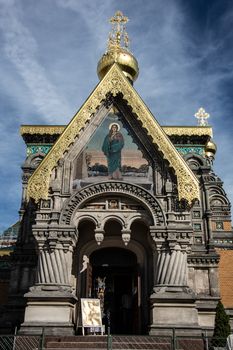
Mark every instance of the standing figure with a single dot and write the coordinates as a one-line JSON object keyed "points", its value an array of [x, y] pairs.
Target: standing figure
{"points": [[112, 146]]}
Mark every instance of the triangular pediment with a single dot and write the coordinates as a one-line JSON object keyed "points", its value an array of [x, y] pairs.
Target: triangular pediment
{"points": [[113, 83]]}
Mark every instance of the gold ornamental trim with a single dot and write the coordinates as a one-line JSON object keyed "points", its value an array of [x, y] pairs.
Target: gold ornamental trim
{"points": [[188, 130], [41, 129], [169, 130], [113, 82]]}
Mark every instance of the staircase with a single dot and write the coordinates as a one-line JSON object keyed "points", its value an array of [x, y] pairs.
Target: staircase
{"points": [[115, 342]]}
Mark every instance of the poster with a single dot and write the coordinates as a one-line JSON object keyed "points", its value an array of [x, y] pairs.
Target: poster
{"points": [[91, 313]]}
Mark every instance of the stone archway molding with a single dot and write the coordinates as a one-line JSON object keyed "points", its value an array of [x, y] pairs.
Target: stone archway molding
{"points": [[136, 192]]}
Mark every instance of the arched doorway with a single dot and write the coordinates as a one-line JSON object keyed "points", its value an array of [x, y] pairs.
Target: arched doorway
{"points": [[115, 280], [123, 268]]}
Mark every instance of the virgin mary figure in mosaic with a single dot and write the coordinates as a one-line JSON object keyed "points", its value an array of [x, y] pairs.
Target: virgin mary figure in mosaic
{"points": [[112, 146]]}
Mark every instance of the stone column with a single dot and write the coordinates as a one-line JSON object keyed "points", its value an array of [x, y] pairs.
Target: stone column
{"points": [[53, 265], [172, 267], [172, 301], [50, 303]]}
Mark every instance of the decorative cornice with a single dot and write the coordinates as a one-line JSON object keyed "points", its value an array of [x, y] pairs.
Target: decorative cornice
{"points": [[169, 130], [188, 130], [204, 260], [114, 82], [42, 129]]}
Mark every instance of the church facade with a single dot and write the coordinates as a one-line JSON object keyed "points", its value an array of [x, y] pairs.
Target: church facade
{"points": [[119, 208]]}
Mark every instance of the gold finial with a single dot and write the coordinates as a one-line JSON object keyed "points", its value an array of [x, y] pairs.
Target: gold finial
{"points": [[118, 37], [118, 50], [202, 117]]}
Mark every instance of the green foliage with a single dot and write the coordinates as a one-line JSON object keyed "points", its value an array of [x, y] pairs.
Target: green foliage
{"points": [[222, 326]]}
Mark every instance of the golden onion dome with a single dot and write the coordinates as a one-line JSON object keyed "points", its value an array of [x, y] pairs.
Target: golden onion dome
{"points": [[210, 149], [125, 60], [118, 50]]}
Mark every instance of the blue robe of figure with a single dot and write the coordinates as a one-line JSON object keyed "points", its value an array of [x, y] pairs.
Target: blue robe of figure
{"points": [[112, 146]]}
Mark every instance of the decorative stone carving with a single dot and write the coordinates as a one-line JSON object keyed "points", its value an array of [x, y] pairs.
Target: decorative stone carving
{"points": [[126, 236], [99, 236], [116, 187]]}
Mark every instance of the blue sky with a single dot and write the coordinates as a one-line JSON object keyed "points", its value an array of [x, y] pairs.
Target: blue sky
{"points": [[49, 53]]}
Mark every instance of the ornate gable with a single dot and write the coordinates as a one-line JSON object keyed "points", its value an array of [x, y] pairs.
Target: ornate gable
{"points": [[113, 83]]}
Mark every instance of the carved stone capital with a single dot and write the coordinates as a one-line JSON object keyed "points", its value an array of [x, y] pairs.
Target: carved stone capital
{"points": [[66, 237], [172, 240], [159, 235]]}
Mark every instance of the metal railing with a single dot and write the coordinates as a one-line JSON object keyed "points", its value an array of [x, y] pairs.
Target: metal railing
{"points": [[199, 343], [20, 342], [141, 342], [173, 342]]}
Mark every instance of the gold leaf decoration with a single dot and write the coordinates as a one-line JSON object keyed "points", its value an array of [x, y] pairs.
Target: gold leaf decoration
{"points": [[189, 130], [113, 82], [169, 130], [41, 129]]}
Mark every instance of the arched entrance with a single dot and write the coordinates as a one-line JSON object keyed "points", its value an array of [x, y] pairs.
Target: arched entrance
{"points": [[120, 275], [115, 280], [113, 221]]}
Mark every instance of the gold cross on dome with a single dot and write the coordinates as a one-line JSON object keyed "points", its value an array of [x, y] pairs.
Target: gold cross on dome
{"points": [[118, 37], [202, 117]]}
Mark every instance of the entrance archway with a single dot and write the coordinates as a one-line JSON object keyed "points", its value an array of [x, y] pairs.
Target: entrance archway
{"points": [[115, 280], [125, 272]]}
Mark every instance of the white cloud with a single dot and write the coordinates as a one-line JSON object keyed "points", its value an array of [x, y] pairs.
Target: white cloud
{"points": [[92, 13], [21, 49]]}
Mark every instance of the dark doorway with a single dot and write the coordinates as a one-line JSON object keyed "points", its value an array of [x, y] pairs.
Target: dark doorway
{"points": [[115, 281]]}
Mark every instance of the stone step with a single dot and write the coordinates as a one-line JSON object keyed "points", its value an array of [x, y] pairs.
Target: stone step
{"points": [[100, 342], [78, 338], [72, 345], [119, 342], [190, 344]]}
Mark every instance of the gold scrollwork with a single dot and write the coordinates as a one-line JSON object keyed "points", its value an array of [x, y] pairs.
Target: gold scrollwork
{"points": [[41, 129], [113, 82], [169, 130], [188, 130]]}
